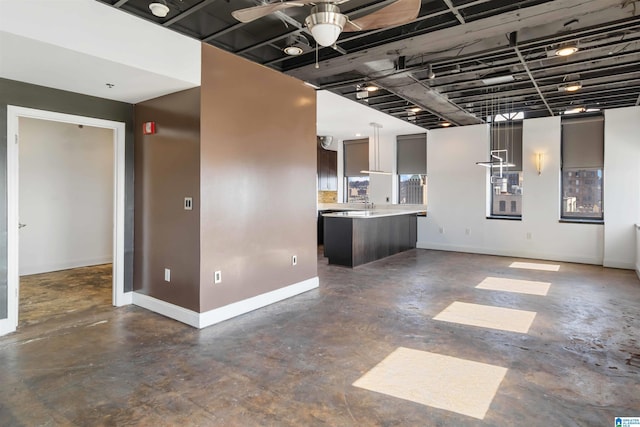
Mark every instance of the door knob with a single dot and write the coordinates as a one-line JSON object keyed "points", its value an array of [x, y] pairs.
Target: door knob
{"points": [[20, 225]]}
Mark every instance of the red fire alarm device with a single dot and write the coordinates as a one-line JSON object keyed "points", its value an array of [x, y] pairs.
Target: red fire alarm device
{"points": [[149, 128]]}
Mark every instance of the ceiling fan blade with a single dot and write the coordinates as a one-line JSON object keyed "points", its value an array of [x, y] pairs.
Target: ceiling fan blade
{"points": [[252, 13], [397, 13]]}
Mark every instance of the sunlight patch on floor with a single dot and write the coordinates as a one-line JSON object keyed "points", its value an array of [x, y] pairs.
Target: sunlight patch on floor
{"points": [[535, 266], [486, 316], [457, 385], [529, 287]]}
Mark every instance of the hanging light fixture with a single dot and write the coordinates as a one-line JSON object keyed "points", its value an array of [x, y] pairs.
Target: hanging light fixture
{"points": [[430, 74], [376, 151], [325, 23], [498, 158]]}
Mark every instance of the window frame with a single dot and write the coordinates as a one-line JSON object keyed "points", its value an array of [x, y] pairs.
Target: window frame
{"points": [[581, 218]]}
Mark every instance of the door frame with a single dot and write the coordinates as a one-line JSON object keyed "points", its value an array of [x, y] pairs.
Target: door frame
{"points": [[119, 296]]}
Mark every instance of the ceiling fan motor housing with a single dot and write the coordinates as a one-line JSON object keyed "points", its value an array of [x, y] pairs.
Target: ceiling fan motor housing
{"points": [[325, 23]]}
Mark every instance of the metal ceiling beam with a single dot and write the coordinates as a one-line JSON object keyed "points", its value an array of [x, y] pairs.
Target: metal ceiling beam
{"points": [[533, 80], [609, 81], [455, 11], [187, 12], [222, 32], [595, 98], [119, 3], [478, 93]]}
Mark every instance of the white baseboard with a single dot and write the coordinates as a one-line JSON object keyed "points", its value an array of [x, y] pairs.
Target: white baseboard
{"points": [[6, 327], [172, 311], [124, 299], [510, 253], [627, 265], [26, 270], [211, 317]]}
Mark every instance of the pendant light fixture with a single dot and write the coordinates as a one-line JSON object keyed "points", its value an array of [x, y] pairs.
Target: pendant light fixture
{"points": [[376, 151]]}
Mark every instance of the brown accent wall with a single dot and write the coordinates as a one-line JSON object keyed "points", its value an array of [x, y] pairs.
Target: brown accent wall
{"points": [[167, 169], [258, 179]]}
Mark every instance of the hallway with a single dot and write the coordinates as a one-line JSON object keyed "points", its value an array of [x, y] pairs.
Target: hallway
{"points": [[564, 353]]}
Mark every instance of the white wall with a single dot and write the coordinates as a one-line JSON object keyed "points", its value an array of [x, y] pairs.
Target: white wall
{"points": [[383, 187], [458, 192], [66, 195], [621, 185]]}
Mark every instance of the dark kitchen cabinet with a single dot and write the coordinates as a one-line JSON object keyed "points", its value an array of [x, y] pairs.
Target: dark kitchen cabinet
{"points": [[327, 170]]}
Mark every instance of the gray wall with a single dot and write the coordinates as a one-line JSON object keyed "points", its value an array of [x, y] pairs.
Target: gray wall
{"points": [[43, 98]]}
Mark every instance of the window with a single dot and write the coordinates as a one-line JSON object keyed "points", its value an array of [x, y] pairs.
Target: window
{"points": [[506, 190], [357, 189], [356, 160], [413, 189], [412, 169], [582, 168]]}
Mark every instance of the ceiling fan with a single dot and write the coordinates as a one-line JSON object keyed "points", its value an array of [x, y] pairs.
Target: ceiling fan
{"points": [[326, 22]]}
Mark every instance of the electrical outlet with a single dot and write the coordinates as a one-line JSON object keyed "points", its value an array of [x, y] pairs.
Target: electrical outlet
{"points": [[294, 260], [217, 277], [441, 230], [188, 203], [167, 275], [528, 235]]}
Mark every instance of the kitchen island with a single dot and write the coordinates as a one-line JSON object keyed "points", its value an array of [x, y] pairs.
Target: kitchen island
{"points": [[357, 237]]}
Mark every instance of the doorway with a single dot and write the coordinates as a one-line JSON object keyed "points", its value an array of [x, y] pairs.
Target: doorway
{"points": [[14, 114]]}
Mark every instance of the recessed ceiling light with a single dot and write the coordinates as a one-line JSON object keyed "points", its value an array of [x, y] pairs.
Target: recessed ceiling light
{"points": [[445, 124], [358, 134], [293, 50], [566, 50], [159, 9], [369, 87], [414, 109]]}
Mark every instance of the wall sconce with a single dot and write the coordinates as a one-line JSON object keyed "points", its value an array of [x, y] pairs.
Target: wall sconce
{"points": [[539, 160]]}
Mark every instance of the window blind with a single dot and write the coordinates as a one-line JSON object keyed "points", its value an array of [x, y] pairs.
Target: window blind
{"points": [[412, 154], [356, 157], [583, 143]]}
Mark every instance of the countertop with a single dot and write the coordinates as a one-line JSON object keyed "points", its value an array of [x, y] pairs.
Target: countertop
{"points": [[376, 213]]}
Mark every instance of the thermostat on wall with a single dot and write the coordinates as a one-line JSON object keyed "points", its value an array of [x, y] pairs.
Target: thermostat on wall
{"points": [[149, 128]]}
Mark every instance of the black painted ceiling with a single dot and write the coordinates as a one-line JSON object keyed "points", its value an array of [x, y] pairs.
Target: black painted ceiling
{"points": [[462, 41]]}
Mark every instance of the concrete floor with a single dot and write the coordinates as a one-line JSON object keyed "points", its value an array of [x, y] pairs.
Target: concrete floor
{"points": [[294, 363]]}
